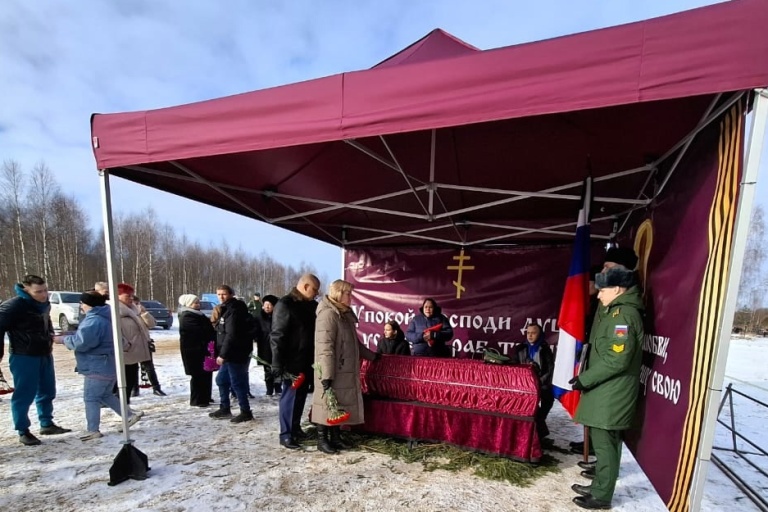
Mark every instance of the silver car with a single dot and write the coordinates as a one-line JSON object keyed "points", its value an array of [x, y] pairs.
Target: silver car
{"points": [[206, 308]]}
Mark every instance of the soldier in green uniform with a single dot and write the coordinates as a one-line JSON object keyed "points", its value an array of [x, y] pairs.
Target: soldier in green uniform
{"points": [[255, 305], [610, 383]]}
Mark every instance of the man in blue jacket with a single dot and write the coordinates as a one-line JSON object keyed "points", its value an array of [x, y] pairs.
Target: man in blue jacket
{"points": [[95, 356], [26, 319]]}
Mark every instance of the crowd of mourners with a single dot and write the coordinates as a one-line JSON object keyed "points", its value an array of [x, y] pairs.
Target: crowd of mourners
{"points": [[306, 341]]}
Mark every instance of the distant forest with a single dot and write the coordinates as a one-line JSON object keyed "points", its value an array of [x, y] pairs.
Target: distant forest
{"points": [[45, 232]]}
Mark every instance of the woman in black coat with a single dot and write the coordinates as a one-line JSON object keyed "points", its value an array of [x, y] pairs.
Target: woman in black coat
{"points": [[195, 332], [394, 341]]}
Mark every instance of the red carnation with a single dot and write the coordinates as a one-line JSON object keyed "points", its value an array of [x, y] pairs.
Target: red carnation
{"points": [[5, 388]]}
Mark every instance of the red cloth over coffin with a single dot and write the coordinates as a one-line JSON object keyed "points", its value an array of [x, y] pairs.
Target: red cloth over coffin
{"points": [[463, 402]]}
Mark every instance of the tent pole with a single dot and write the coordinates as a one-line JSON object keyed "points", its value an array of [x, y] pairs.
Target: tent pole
{"points": [[117, 336], [754, 148], [432, 172]]}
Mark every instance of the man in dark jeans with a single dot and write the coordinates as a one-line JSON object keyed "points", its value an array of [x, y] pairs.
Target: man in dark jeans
{"points": [[234, 344], [26, 319], [293, 351]]}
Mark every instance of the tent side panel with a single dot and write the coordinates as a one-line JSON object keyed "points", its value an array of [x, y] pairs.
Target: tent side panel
{"points": [[685, 260]]}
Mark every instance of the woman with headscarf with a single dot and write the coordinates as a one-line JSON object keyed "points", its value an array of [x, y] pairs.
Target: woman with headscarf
{"points": [[263, 346], [337, 356], [430, 331], [195, 332]]}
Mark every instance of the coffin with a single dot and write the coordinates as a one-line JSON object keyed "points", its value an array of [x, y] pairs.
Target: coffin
{"points": [[468, 403]]}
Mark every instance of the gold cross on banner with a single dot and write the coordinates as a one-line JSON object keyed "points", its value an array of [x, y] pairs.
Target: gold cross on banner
{"points": [[461, 268]]}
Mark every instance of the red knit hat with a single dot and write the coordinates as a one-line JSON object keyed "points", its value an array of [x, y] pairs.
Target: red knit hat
{"points": [[123, 288]]}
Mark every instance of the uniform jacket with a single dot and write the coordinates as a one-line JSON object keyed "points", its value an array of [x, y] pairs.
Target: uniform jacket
{"points": [[135, 329], [93, 345], [234, 339], [293, 333], [416, 332], [612, 375], [28, 324], [195, 332], [338, 353]]}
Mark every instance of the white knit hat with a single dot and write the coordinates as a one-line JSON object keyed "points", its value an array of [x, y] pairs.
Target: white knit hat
{"points": [[187, 300]]}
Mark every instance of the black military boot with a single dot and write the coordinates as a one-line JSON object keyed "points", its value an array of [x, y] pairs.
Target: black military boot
{"points": [[335, 438], [323, 444]]}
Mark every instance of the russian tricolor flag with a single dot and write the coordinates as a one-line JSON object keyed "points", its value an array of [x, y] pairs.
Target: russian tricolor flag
{"points": [[573, 310]]}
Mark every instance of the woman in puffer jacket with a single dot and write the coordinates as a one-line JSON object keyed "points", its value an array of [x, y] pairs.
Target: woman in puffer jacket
{"points": [[337, 356], [430, 332]]}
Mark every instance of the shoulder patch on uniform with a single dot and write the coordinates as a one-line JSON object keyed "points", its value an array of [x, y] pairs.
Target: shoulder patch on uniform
{"points": [[618, 348], [621, 331]]}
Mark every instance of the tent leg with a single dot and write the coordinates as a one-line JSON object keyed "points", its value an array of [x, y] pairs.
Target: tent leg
{"points": [[129, 462]]}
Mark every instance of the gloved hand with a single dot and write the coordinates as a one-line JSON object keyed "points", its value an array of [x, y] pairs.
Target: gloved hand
{"points": [[326, 384], [277, 373], [576, 384]]}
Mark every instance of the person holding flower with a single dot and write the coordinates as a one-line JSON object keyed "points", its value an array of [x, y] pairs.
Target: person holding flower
{"points": [[430, 331], [337, 367], [293, 350]]}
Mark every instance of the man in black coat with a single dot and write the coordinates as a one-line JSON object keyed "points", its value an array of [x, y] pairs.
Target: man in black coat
{"points": [[293, 352], [264, 344], [234, 344], [26, 319]]}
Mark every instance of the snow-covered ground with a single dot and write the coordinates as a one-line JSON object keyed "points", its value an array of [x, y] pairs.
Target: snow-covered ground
{"points": [[202, 464]]}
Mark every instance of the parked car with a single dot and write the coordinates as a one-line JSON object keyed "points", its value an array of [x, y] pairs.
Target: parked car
{"points": [[206, 308], [65, 309], [210, 297], [162, 315]]}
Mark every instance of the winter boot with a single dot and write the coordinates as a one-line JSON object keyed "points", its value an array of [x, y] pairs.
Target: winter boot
{"points": [[243, 416], [335, 439], [323, 444], [222, 413]]}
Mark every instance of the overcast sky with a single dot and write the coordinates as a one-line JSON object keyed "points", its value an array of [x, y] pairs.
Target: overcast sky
{"points": [[61, 61]]}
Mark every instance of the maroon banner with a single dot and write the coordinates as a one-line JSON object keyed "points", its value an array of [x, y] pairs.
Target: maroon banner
{"points": [[684, 248], [489, 295]]}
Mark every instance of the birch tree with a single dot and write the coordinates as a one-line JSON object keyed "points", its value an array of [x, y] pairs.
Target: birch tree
{"points": [[12, 190]]}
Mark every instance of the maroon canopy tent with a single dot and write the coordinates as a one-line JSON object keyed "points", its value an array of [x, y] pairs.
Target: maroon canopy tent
{"points": [[443, 144], [445, 150]]}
